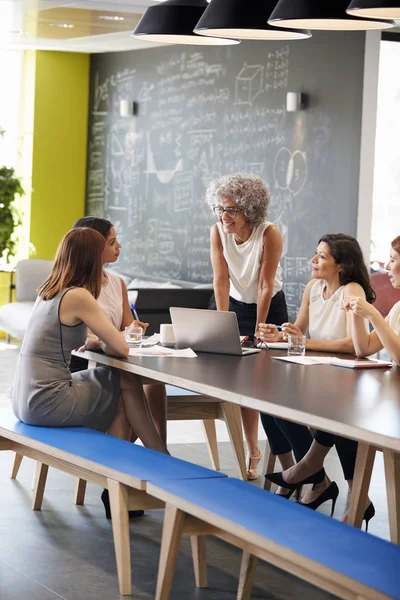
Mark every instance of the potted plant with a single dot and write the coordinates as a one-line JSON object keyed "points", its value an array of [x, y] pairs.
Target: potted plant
{"points": [[10, 187]]}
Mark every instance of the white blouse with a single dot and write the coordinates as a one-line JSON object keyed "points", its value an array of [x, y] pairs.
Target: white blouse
{"points": [[110, 299], [244, 261], [327, 319], [394, 318]]}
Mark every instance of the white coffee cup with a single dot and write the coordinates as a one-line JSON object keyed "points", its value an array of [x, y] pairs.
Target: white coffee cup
{"points": [[167, 336]]}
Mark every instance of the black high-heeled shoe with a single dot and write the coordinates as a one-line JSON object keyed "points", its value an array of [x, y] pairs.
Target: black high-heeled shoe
{"points": [[278, 479], [290, 493], [105, 498], [331, 493], [368, 514]]}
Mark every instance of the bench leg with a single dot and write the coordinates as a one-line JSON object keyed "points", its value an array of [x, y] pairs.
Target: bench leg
{"points": [[362, 478], [120, 524], [268, 465], [80, 490], [233, 419], [40, 477], [392, 472], [199, 556], [16, 465], [211, 437], [246, 577], [174, 520]]}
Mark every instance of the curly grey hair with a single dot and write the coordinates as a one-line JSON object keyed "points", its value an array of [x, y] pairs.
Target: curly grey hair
{"points": [[248, 191]]}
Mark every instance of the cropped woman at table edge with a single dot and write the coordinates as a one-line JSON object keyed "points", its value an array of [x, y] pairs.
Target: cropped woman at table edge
{"points": [[386, 333], [245, 254], [339, 271], [113, 300]]}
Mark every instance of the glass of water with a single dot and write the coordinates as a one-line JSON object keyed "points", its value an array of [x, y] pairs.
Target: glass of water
{"points": [[296, 345], [133, 336]]}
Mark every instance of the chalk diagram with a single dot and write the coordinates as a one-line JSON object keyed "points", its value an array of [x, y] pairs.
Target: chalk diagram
{"points": [[249, 84], [164, 176], [290, 170]]}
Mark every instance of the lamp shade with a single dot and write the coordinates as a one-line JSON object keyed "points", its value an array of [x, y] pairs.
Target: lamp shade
{"points": [[378, 9], [244, 19], [321, 14], [173, 22]]}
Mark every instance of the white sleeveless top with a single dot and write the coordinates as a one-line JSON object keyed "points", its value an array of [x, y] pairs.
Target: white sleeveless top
{"points": [[394, 318], [110, 299], [326, 319], [244, 261]]}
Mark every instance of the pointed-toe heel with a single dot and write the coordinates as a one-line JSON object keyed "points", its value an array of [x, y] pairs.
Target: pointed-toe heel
{"points": [[290, 493], [277, 478], [368, 514], [331, 493], [105, 498]]}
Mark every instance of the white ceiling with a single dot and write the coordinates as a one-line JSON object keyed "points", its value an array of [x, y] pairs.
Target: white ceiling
{"points": [[78, 26], [37, 24]]}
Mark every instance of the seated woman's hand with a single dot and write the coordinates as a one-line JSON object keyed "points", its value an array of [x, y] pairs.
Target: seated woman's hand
{"points": [[290, 329], [92, 343], [144, 326], [268, 333], [359, 306]]}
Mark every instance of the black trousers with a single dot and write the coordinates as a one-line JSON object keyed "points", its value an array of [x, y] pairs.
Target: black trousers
{"points": [[346, 449], [283, 436]]}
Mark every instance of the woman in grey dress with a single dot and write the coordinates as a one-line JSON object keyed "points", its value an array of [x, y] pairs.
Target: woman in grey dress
{"points": [[44, 392]]}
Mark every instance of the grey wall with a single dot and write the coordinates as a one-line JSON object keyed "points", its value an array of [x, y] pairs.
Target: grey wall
{"points": [[203, 112]]}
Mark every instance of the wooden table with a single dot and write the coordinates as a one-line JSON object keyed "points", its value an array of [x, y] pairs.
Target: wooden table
{"points": [[362, 405]]}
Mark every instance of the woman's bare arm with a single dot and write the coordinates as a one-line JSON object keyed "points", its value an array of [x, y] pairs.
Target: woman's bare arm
{"points": [[220, 270]]}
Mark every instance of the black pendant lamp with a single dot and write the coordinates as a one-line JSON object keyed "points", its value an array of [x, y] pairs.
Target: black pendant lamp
{"points": [[321, 14], [244, 19], [173, 21], [375, 9]]}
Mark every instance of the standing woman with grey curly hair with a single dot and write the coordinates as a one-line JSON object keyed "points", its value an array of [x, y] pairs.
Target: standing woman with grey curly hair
{"points": [[245, 254]]}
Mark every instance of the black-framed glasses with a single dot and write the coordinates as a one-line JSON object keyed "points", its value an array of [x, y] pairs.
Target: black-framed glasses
{"points": [[231, 211]]}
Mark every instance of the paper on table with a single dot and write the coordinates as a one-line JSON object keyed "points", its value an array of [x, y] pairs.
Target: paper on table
{"points": [[307, 360], [161, 351], [369, 363], [152, 340]]}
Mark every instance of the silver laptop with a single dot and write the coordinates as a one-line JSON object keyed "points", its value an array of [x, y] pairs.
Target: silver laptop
{"points": [[208, 331]]}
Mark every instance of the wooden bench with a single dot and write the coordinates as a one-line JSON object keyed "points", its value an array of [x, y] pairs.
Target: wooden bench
{"points": [[123, 468], [331, 555], [189, 406]]}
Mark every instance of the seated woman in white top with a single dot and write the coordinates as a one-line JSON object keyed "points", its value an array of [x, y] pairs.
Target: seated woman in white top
{"points": [[245, 253], [339, 271], [114, 302], [386, 332]]}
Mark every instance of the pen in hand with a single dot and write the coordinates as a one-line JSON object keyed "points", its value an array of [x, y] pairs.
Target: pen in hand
{"points": [[134, 313]]}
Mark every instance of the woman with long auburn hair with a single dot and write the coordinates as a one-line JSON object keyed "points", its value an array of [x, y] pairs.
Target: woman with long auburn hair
{"points": [[45, 392]]}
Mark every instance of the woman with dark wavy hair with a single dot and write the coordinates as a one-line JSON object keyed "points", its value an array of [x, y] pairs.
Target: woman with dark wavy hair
{"points": [[339, 271]]}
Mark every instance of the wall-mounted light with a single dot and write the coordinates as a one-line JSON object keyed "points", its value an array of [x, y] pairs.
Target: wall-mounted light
{"points": [[375, 9], [127, 108], [173, 21], [322, 14], [295, 101], [245, 20]]}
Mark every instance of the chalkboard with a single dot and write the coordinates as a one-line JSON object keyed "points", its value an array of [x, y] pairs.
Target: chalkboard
{"points": [[205, 112]]}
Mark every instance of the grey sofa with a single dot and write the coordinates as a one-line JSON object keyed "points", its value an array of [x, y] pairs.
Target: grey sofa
{"points": [[29, 275]]}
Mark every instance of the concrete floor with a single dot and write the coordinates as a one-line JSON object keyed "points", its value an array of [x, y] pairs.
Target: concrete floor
{"points": [[67, 552]]}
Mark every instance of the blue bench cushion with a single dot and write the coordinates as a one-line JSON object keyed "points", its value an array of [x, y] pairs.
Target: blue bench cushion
{"points": [[335, 545], [122, 456]]}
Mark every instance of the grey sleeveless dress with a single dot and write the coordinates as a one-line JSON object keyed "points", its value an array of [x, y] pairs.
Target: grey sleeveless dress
{"points": [[44, 391]]}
